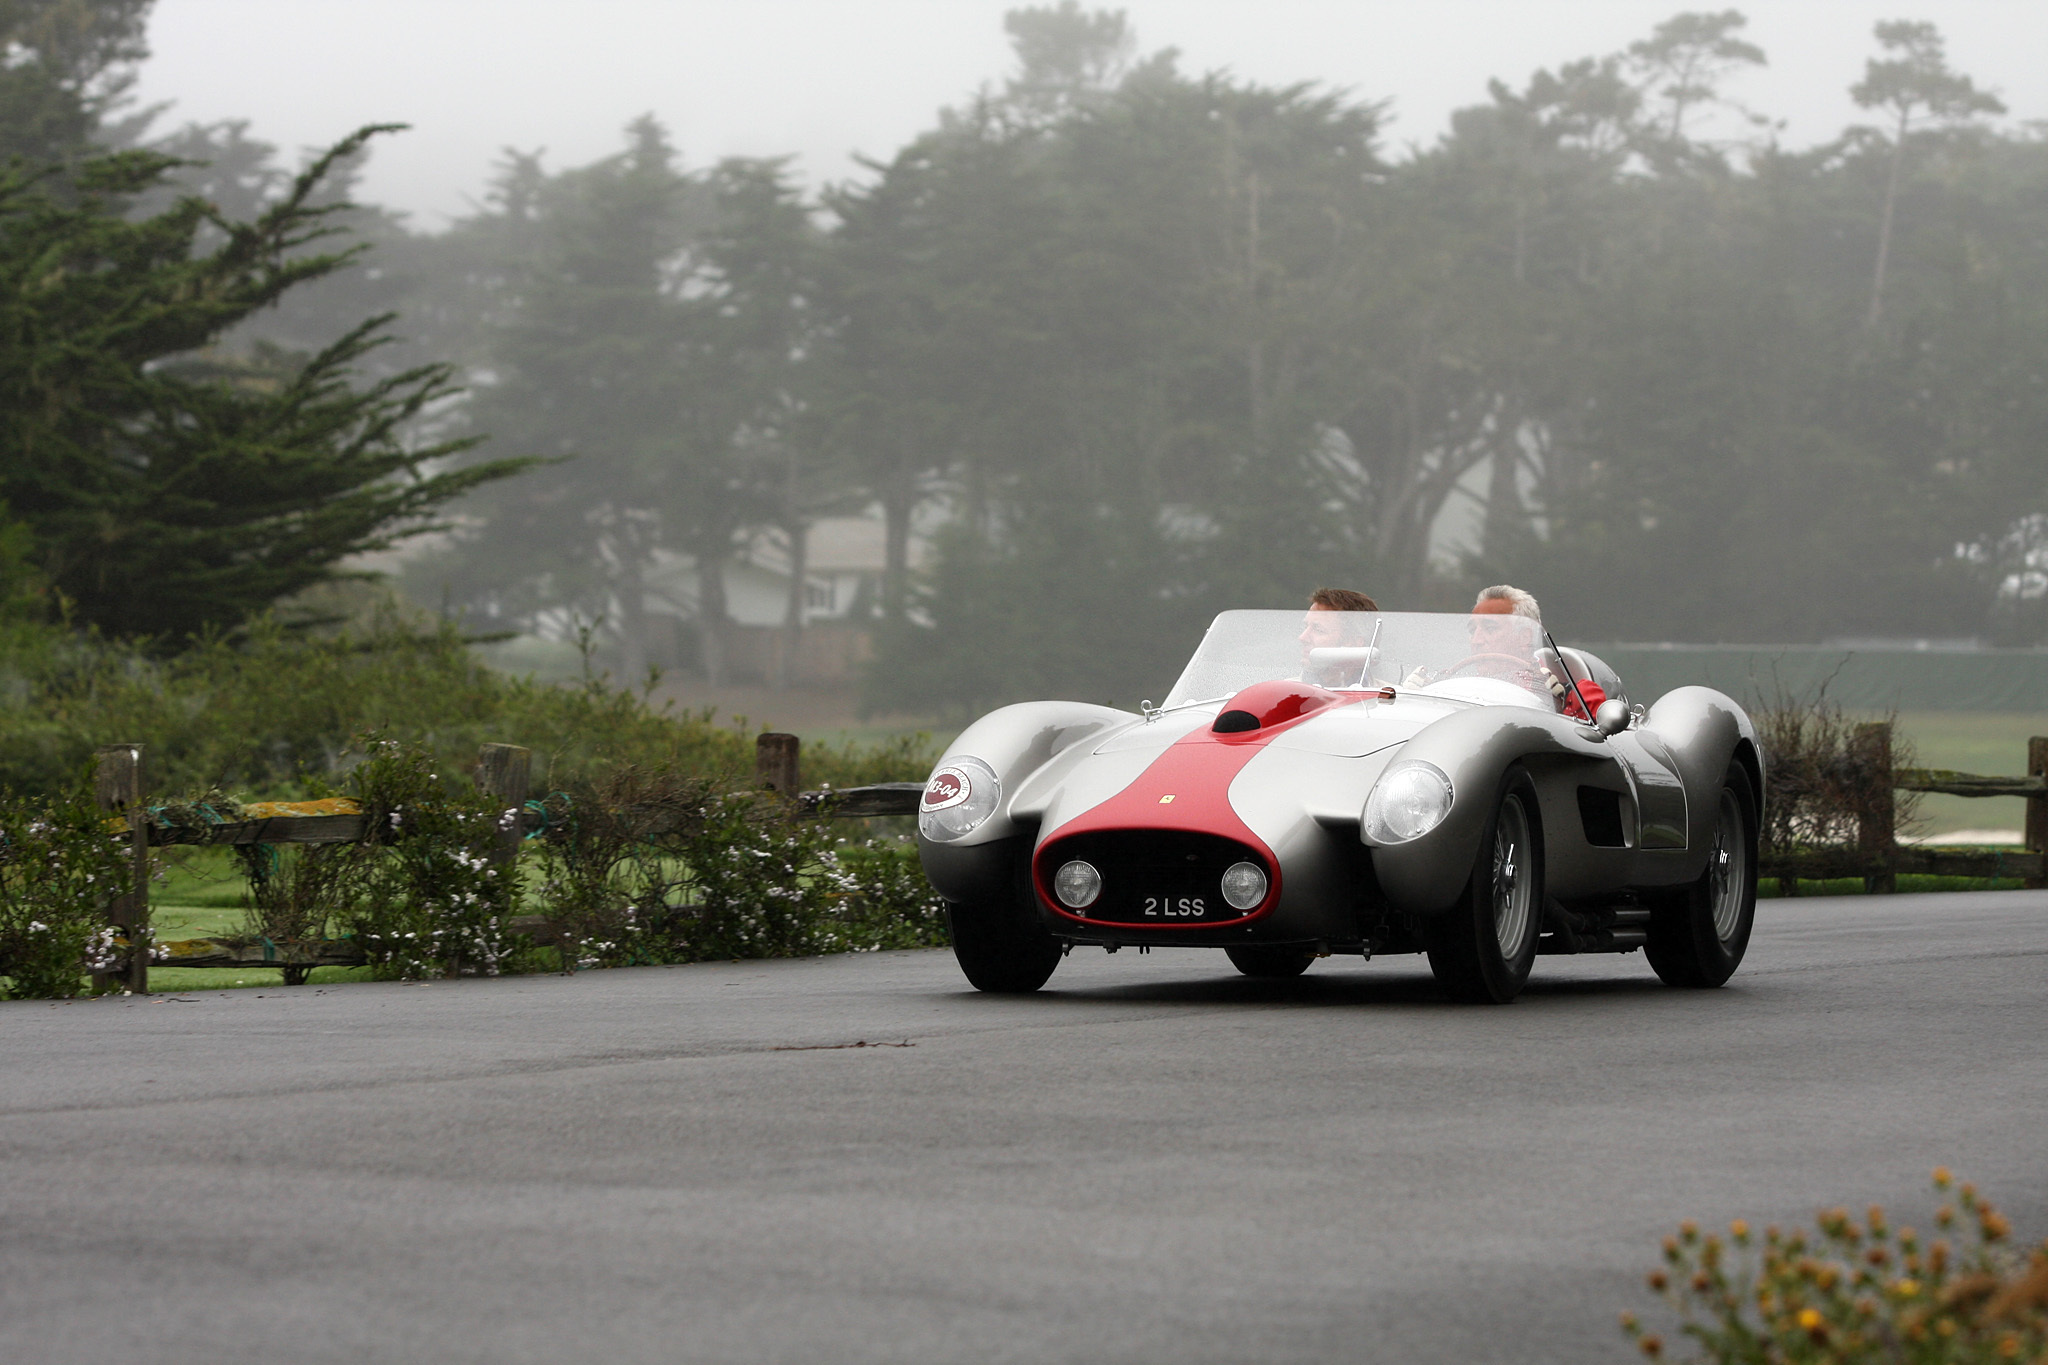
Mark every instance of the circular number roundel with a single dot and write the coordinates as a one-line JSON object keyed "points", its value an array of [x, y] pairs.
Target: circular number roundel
{"points": [[948, 788]]}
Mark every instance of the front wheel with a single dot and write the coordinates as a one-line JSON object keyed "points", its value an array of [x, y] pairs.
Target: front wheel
{"points": [[1699, 933], [1273, 964], [1001, 946], [1481, 949]]}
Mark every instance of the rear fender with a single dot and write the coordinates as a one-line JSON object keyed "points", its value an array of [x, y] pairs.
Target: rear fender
{"points": [[1704, 731]]}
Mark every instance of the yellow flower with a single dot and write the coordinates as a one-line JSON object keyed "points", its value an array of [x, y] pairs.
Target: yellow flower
{"points": [[1906, 1289], [1809, 1318], [1738, 1230], [1942, 1178]]}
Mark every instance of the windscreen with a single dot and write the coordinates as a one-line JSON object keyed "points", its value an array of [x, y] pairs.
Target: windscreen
{"points": [[1439, 652]]}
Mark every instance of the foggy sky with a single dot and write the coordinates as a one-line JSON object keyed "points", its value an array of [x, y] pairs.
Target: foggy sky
{"points": [[826, 79]]}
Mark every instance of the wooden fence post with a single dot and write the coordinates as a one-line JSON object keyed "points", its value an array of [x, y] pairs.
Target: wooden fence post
{"points": [[117, 785], [776, 764], [2037, 807], [1876, 832], [505, 772]]}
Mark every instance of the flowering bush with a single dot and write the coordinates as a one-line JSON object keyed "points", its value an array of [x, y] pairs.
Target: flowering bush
{"points": [[1858, 1292], [638, 866], [60, 867], [647, 867], [436, 903]]}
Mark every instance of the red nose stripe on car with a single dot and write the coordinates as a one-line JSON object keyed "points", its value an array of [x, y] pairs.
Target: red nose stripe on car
{"points": [[1196, 772]]}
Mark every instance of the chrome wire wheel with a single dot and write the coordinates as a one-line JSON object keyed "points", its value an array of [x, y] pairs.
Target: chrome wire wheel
{"points": [[1727, 869], [1514, 880]]}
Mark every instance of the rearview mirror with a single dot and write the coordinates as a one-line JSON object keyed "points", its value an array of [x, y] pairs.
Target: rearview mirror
{"points": [[1611, 717]]}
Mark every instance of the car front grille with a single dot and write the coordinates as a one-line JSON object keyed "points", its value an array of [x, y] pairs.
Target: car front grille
{"points": [[1156, 878]]}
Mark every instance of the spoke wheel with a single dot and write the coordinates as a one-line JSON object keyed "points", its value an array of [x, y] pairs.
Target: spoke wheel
{"points": [[1513, 887], [1482, 948], [1728, 870], [1698, 933]]}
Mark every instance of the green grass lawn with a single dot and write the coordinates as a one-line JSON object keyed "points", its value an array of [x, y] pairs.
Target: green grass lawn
{"points": [[1989, 742], [201, 896]]}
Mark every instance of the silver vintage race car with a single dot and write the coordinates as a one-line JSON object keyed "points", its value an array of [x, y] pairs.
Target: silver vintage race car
{"points": [[1356, 783]]}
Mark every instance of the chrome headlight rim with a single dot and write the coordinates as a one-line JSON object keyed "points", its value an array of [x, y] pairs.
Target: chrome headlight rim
{"points": [[1251, 888], [1077, 884], [958, 798], [1410, 799]]}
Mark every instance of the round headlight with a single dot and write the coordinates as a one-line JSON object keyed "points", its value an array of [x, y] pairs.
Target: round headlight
{"points": [[1244, 885], [960, 794], [1409, 801], [1077, 884]]}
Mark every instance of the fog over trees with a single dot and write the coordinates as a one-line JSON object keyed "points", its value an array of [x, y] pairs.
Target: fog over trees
{"points": [[1126, 344]]}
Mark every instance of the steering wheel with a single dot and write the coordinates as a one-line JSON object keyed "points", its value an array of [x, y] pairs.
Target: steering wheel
{"points": [[1470, 659]]}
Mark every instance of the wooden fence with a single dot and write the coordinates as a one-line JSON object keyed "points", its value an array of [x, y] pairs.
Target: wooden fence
{"points": [[504, 771], [1879, 858]]}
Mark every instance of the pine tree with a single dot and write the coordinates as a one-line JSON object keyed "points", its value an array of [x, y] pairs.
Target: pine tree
{"points": [[171, 490]]}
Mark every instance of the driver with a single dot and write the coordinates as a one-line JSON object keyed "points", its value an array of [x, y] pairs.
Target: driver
{"points": [[1505, 631], [1325, 626]]}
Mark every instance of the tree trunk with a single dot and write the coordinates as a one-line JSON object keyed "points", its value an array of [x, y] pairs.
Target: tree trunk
{"points": [[1884, 225], [632, 595], [898, 501], [711, 616], [793, 616]]}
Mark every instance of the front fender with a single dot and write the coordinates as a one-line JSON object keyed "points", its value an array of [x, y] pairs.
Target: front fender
{"points": [[1474, 749], [1016, 741]]}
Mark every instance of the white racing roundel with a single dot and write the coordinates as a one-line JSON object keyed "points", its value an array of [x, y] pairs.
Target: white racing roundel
{"points": [[949, 787], [957, 799]]}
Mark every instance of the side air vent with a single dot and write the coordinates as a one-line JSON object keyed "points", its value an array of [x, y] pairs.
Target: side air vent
{"points": [[1235, 722], [1600, 812]]}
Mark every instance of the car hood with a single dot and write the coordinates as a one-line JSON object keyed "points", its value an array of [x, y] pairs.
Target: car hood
{"points": [[1317, 768], [1349, 731]]}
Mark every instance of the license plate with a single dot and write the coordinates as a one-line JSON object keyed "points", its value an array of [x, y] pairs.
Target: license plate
{"points": [[1175, 907]]}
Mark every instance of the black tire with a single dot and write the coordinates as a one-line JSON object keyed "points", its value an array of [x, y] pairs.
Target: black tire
{"points": [[1481, 949], [1699, 933], [1276, 964], [1001, 946]]}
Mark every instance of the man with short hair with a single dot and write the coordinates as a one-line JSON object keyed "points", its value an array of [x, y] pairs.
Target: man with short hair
{"points": [[1326, 627]]}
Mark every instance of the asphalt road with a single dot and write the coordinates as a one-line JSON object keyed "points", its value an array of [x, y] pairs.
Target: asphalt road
{"points": [[1154, 1160]]}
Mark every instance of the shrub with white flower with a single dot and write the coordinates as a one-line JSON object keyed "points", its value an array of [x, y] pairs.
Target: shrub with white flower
{"points": [[645, 866], [434, 903], [60, 868]]}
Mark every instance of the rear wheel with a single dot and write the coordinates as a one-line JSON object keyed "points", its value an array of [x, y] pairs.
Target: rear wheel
{"points": [[1699, 933], [1001, 946], [1273, 963], [1482, 948]]}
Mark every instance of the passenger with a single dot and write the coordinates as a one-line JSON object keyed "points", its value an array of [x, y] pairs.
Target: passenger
{"points": [[1506, 635], [1326, 626]]}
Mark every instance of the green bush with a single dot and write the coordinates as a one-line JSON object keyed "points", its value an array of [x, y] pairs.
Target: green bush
{"points": [[424, 895], [271, 712], [60, 868], [1852, 1293], [646, 866]]}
